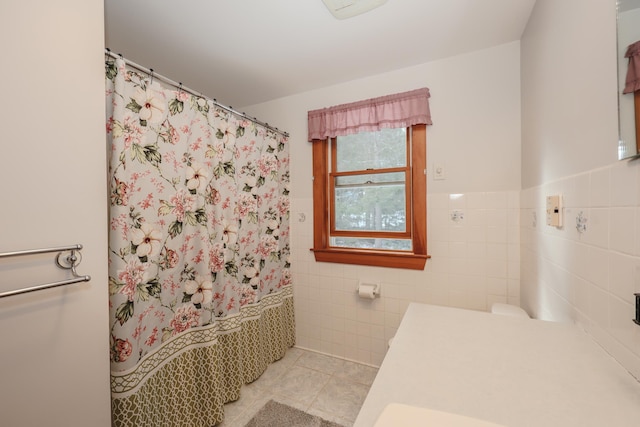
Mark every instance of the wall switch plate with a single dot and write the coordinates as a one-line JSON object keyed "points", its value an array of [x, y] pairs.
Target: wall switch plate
{"points": [[438, 171], [554, 211]]}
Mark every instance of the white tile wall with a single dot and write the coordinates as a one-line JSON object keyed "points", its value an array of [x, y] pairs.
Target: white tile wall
{"points": [[588, 277], [474, 263]]}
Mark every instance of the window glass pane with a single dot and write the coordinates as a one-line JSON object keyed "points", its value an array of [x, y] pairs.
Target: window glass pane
{"points": [[359, 243], [373, 202], [386, 148]]}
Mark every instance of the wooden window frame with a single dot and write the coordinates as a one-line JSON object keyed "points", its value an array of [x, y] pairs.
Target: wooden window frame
{"points": [[636, 103], [416, 215], [334, 174]]}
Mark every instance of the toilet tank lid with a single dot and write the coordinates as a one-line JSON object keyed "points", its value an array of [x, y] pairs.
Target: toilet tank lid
{"points": [[508, 310]]}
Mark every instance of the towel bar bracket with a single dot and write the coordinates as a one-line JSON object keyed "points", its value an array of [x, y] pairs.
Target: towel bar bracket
{"points": [[69, 262]]}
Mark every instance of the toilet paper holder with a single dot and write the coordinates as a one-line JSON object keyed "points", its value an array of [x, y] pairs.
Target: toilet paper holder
{"points": [[368, 289]]}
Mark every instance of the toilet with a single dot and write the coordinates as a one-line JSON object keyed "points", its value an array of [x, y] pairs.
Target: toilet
{"points": [[497, 308], [508, 310]]}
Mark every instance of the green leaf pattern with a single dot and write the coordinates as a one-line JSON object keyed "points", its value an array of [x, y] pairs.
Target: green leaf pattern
{"points": [[199, 213]]}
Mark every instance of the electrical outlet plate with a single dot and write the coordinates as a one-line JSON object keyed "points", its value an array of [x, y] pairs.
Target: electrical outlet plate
{"points": [[554, 211]]}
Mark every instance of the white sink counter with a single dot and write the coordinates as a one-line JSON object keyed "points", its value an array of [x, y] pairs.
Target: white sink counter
{"points": [[505, 370]]}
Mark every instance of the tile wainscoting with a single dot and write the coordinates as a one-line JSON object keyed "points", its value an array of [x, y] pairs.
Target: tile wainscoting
{"points": [[588, 270], [474, 243], [491, 247]]}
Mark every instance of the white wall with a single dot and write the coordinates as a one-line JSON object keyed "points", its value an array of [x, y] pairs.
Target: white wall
{"points": [[569, 101], [54, 351], [569, 147], [475, 104]]}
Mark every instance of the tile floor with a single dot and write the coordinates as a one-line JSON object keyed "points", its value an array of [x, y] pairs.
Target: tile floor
{"points": [[331, 388]]}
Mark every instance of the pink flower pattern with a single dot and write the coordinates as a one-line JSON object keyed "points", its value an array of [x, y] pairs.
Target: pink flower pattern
{"points": [[121, 350], [199, 215], [187, 316], [134, 274]]}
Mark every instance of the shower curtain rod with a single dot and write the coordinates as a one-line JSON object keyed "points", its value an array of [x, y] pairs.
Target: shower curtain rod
{"points": [[177, 85]]}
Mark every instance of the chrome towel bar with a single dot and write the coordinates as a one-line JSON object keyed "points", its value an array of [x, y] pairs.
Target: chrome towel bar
{"points": [[41, 251], [70, 262]]}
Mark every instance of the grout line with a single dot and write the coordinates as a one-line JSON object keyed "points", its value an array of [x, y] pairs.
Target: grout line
{"points": [[338, 357], [264, 394], [319, 392]]}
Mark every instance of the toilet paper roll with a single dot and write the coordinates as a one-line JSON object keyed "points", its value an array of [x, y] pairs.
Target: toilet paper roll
{"points": [[367, 291]]}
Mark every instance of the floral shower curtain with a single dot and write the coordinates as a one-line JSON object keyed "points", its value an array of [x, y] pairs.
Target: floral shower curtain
{"points": [[199, 281]]}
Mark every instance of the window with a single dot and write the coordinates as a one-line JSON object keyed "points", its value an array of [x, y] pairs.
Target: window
{"points": [[369, 181], [370, 186], [370, 198]]}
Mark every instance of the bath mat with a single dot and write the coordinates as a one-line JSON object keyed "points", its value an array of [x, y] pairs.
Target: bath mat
{"points": [[274, 414]]}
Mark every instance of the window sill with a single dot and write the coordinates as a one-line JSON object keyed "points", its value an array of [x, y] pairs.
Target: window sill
{"points": [[390, 259]]}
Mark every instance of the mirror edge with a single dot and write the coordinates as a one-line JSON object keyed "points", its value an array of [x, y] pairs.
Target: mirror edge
{"points": [[624, 149]]}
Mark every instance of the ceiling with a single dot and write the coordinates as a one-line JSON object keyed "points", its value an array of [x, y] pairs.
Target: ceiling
{"points": [[244, 52]]}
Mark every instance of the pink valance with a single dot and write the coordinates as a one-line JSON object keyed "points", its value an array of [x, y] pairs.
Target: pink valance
{"points": [[632, 82], [391, 111]]}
